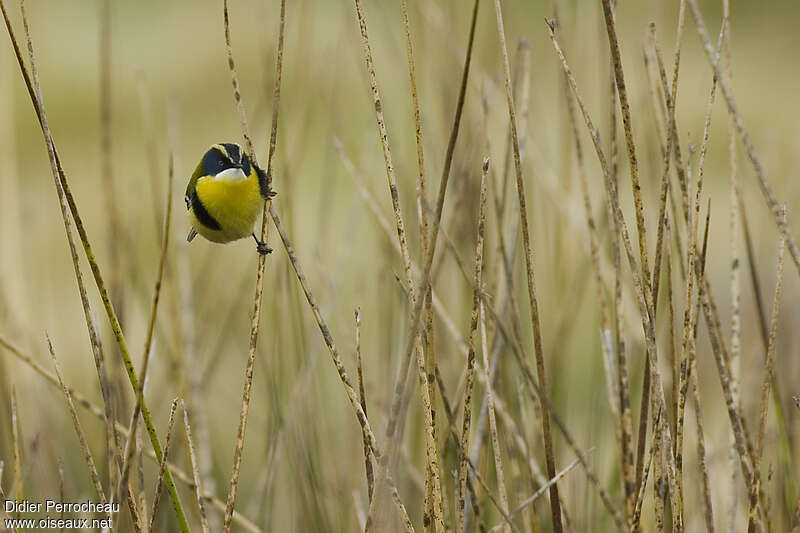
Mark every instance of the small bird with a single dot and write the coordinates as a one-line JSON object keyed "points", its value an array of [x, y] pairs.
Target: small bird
{"points": [[225, 194]]}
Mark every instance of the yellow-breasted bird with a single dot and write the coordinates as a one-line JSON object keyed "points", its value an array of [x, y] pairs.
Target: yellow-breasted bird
{"points": [[225, 194]]}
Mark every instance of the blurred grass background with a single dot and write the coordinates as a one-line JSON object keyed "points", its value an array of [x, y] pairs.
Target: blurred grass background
{"points": [[174, 53]]}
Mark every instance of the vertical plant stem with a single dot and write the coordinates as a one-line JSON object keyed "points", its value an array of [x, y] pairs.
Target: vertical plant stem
{"points": [[416, 314], [622, 93], [87, 454], [162, 468], [555, 502], [490, 397], [644, 297], [62, 187], [362, 396], [114, 227], [15, 437], [198, 485], [735, 276], [256, 316], [619, 395], [763, 406], [765, 186], [433, 476], [473, 330]]}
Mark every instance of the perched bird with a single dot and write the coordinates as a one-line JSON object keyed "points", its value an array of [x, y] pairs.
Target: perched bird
{"points": [[225, 194]]}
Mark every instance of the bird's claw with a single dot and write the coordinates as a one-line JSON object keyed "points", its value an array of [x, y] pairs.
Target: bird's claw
{"points": [[263, 249]]}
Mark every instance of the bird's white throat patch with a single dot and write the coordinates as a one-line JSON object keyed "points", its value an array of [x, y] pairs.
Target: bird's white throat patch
{"points": [[231, 174]]}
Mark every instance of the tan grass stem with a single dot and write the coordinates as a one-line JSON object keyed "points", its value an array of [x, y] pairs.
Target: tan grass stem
{"points": [[433, 475], [162, 467], [763, 405], [618, 391], [644, 297], [94, 337], [536, 495], [362, 397], [87, 454], [622, 94], [121, 430], [198, 486], [62, 188], [416, 314], [15, 437], [764, 184], [555, 502], [257, 298], [470, 368]]}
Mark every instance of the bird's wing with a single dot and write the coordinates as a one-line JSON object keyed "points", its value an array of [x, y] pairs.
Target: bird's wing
{"points": [[190, 188], [264, 182]]}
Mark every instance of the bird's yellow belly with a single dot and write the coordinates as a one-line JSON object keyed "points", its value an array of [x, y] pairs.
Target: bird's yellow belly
{"points": [[233, 204]]}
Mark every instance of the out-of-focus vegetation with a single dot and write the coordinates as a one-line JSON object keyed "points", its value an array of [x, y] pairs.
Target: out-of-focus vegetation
{"points": [[303, 462]]}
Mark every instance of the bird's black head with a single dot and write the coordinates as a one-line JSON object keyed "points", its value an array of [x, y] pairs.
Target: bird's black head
{"points": [[224, 156]]}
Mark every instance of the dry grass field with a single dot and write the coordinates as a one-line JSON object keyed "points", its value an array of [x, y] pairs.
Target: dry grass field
{"points": [[535, 266]]}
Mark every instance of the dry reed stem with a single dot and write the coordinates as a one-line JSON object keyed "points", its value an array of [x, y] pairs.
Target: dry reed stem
{"points": [[362, 396], [416, 314], [451, 328], [674, 358], [622, 93], [765, 186], [198, 487], [555, 502], [162, 467], [691, 312], [257, 298], [3, 495], [61, 491], [15, 437], [785, 454], [464, 348], [490, 397], [665, 188], [130, 446], [721, 358], [62, 187], [121, 430], [536, 495], [451, 426], [421, 194], [114, 227], [692, 374], [87, 454], [433, 475], [765, 389], [637, 512], [328, 338], [644, 297], [735, 262], [94, 338], [702, 456], [508, 421], [536, 394], [618, 391], [422, 200], [606, 340], [470, 363]]}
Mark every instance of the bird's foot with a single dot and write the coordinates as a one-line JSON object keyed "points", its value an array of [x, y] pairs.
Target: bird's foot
{"points": [[261, 247]]}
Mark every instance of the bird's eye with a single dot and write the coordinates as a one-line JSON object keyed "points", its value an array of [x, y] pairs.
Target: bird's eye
{"points": [[221, 163]]}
